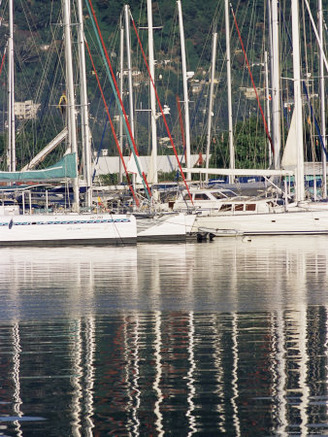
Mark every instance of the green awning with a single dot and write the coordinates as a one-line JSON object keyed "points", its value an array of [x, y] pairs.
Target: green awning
{"points": [[65, 168]]}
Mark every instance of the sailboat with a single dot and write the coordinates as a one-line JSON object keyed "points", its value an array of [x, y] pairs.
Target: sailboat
{"points": [[237, 216], [65, 228], [153, 223]]}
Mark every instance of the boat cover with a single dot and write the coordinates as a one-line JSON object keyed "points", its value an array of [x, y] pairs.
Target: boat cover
{"points": [[65, 168]]}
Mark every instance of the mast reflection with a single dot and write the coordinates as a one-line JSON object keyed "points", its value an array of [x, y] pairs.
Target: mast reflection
{"points": [[210, 338]]}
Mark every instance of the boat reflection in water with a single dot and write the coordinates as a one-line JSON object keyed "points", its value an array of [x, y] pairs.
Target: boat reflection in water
{"points": [[228, 337]]}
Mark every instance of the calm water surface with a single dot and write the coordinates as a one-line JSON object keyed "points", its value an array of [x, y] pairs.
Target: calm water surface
{"points": [[223, 338]]}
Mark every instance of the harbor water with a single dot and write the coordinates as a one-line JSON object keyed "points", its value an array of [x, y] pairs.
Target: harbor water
{"points": [[228, 337]]}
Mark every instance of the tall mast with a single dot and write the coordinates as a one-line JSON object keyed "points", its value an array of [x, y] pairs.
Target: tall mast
{"points": [[128, 49], [152, 92], [322, 103], [299, 174], [70, 95], [130, 84], [185, 88], [86, 140], [230, 125], [210, 106], [121, 93], [267, 98], [275, 74], [11, 157]]}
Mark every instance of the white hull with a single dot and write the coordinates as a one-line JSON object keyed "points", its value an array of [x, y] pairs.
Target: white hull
{"points": [[67, 229], [284, 223], [168, 227]]}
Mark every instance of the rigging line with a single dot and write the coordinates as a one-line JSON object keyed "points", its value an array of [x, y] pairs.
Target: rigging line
{"points": [[116, 91], [33, 50], [48, 79], [98, 102], [195, 111], [316, 34], [103, 136], [326, 65], [3, 59], [306, 60], [112, 126], [161, 109], [251, 76], [170, 77], [315, 120], [99, 149], [181, 129], [307, 95], [240, 106]]}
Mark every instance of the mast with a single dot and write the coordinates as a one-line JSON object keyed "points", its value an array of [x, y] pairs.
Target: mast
{"points": [[152, 93], [230, 125], [11, 157], [323, 60], [86, 139], [185, 88], [128, 49], [210, 106], [121, 93], [267, 97], [322, 103], [299, 174], [130, 84], [275, 71], [70, 91]]}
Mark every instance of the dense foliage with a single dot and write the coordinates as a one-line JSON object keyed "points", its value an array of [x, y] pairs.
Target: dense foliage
{"points": [[250, 144], [40, 70]]}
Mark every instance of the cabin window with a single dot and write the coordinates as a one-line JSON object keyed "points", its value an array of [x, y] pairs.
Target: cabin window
{"points": [[201, 196], [250, 207], [226, 207], [239, 207], [223, 195], [218, 195]]}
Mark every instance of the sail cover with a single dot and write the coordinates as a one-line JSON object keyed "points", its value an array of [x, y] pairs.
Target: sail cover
{"points": [[289, 158], [65, 168]]}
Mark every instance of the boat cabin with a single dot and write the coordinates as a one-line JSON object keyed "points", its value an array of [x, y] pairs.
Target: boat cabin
{"points": [[223, 201]]}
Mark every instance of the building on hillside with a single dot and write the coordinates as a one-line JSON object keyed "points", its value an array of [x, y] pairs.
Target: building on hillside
{"points": [[26, 110]]}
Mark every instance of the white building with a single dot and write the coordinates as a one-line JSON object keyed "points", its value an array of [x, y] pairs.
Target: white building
{"points": [[26, 110], [165, 163]]}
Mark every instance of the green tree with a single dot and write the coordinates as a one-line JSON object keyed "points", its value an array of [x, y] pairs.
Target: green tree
{"points": [[250, 146]]}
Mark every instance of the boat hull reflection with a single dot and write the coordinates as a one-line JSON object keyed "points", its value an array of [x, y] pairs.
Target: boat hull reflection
{"points": [[228, 337]]}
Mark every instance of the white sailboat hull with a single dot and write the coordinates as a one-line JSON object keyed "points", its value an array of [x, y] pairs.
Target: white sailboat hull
{"points": [[67, 229], [168, 227], [284, 223]]}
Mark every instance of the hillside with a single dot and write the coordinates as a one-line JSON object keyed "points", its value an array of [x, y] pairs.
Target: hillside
{"points": [[39, 69]]}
